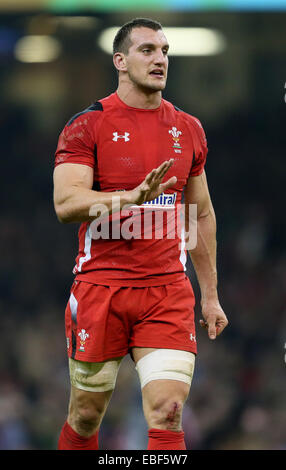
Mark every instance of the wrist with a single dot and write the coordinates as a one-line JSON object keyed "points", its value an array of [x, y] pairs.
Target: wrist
{"points": [[209, 295], [131, 197]]}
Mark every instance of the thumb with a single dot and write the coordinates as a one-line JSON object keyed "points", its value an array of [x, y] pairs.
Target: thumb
{"points": [[169, 183]]}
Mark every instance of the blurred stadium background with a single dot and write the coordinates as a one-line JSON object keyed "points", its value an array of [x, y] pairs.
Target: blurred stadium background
{"points": [[232, 78]]}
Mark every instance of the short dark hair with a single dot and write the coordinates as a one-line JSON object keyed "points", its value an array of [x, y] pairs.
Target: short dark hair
{"points": [[122, 41]]}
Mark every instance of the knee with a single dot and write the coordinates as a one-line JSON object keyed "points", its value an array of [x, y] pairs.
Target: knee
{"points": [[88, 417], [85, 415], [166, 412]]}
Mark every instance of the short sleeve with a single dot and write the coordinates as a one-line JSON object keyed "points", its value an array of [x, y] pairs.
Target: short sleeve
{"points": [[76, 143], [200, 148]]}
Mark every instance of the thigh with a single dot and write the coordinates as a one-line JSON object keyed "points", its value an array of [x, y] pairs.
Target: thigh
{"points": [[160, 388], [94, 376], [165, 372], [165, 377], [92, 385], [90, 401]]}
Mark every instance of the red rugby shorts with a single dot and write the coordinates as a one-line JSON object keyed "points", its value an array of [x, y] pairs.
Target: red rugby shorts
{"points": [[104, 322]]}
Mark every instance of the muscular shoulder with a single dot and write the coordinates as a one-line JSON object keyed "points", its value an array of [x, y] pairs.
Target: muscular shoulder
{"points": [[91, 117], [77, 141], [88, 113]]}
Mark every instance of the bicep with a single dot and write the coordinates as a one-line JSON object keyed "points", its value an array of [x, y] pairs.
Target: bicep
{"points": [[68, 176], [197, 192]]}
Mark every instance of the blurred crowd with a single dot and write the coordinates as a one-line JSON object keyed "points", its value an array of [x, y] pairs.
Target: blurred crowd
{"points": [[238, 398]]}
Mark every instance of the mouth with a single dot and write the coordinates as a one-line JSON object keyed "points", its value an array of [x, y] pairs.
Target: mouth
{"points": [[158, 73]]}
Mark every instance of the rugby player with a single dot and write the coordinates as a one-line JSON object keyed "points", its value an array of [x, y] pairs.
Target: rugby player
{"points": [[131, 295]]}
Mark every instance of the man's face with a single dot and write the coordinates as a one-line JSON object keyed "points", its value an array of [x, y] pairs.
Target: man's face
{"points": [[147, 60]]}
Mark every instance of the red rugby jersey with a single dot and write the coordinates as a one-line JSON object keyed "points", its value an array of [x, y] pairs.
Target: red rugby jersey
{"points": [[122, 144]]}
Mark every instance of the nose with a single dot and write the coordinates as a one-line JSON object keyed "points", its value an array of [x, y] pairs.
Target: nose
{"points": [[160, 58]]}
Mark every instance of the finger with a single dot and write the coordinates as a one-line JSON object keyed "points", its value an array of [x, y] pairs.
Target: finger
{"points": [[149, 178], [218, 330], [162, 169], [171, 181], [154, 175], [203, 324], [166, 162], [212, 330], [220, 327], [158, 173]]}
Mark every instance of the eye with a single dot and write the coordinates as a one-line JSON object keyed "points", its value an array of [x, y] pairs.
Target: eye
{"points": [[146, 51]]}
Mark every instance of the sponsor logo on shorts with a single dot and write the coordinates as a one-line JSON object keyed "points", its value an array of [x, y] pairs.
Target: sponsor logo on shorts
{"points": [[83, 337]]}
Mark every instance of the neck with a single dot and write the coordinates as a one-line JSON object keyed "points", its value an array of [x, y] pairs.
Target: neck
{"points": [[139, 98]]}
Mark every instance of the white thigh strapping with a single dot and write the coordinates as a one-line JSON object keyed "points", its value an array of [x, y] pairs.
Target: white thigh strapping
{"points": [[170, 364], [94, 376]]}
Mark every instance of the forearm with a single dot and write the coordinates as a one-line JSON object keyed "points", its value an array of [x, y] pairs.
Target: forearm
{"points": [[78, 204], [75, 202], [203, 256]]}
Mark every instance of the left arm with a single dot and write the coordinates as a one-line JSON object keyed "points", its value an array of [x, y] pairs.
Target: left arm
{"points": [[203, 256]]}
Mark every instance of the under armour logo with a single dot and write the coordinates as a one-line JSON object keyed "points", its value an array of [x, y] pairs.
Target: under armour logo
{"points": [[192, 337], [116, 136]]}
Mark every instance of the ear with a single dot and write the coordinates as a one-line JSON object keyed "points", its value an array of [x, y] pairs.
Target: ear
{"points": [[119, 61]]}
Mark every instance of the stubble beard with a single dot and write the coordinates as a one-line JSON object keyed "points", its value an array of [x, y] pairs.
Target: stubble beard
{"points": [[146, 86]]}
